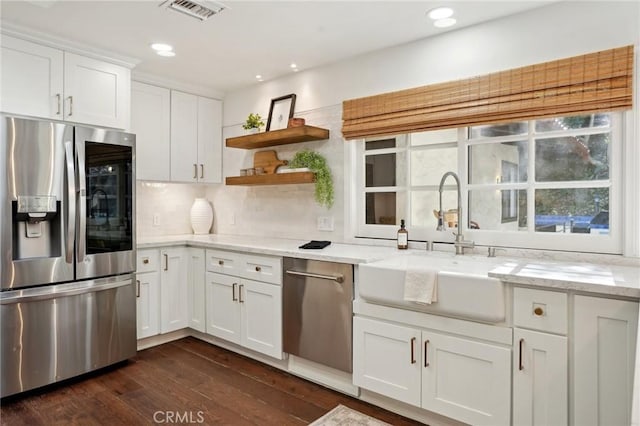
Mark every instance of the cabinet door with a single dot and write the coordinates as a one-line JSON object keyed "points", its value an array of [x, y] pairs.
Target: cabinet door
{"points": [[184, 137], [223, 307], [540, 379], [148, 304], [150, 121], [96, 92], [195, 289], [386, 359], [261, 317], [466, 380], [604, 345], [31, 79], [173, 290], [209, 140]]}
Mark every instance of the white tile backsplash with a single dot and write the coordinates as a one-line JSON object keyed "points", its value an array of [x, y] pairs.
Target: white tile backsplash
{"points": [[171, 202]]}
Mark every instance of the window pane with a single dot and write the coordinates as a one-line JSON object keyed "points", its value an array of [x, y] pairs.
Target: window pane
{"points": [[576, 122], [384, 143], [434, 137], [428, 165], [384, 208], [570, 158], [425, 205], [497, 130], [498, 210], [498, 162], [576, 210], [384, 170]]}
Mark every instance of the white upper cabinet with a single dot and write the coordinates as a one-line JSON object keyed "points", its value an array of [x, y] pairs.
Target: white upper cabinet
{"points": [[196, 138], [96, 92], [210, 140], [31, 79], [151, 121], [44, 82]]}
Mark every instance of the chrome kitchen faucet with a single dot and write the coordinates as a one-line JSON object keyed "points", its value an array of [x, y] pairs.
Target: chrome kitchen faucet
{"points": [[460, 242]]}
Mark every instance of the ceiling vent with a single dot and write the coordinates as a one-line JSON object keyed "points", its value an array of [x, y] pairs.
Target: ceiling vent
{"points": [[199, 9]]}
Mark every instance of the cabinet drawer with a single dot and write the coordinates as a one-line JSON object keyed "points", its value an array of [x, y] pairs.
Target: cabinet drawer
{"points": [[262, 268], [540, 310], [147, 260], [224, 262]]}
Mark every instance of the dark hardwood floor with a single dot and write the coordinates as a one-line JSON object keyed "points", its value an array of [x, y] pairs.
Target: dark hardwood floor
{"points": [[186, 381]]}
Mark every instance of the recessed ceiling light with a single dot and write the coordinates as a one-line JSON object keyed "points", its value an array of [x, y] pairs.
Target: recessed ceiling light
{"points": [[293, 65], [258, 76], [444, 23], [166, 53], [161, 47], [440, 13]]}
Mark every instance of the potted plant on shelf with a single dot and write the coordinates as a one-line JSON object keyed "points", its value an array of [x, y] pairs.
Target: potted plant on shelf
{"points": [[254, 123], [318, 165]]}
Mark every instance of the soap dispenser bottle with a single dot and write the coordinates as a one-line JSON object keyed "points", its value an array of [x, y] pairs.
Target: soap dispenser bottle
{"points": [[403, 237]]}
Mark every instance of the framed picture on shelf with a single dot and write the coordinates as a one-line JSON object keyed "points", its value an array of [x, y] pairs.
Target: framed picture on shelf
{"points": [[280, 111]]}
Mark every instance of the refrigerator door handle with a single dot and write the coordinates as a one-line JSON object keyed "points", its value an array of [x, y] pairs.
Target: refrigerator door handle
{"points": [[71, 201], [63, 290], [82, 202]]}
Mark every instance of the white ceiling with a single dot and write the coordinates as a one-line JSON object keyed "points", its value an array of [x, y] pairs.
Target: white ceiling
{"points": [[226, 52]]}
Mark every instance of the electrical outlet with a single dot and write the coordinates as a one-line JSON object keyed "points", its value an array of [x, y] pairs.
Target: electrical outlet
{"points": [[232, 218], [325, 223], [156, 219]]}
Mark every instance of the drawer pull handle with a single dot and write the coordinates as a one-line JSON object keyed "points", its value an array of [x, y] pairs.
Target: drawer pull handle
{"points": [[145, 260], [137, 288], [258, 269], [58, 99], [538, 311], [240, 299], [166, 261], [426, 353], [520, 366], [413, 350], [220, 262], [233, 292]]}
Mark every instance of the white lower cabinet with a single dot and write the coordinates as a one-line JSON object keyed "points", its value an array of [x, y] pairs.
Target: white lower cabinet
{"points": [[195, 289], [456, 377], [245, 312], [385, 359], [540, 379], [173, 290], [148, 304], [604, 345]]}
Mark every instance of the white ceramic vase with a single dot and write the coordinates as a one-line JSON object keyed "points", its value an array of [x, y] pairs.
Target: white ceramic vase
{"points": [[201, 216]]}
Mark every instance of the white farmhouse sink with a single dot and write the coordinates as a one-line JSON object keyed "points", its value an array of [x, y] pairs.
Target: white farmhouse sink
{"points": [[464, 288]]}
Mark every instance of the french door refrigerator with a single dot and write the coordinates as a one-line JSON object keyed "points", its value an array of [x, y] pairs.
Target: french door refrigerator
{"points": [[68, 299]]}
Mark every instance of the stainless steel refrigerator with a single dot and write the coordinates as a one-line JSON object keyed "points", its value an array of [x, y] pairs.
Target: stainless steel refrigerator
{"points": [[68, 299]]}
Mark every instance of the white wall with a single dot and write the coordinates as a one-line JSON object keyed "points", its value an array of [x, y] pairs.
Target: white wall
{"points": [[556, 31]]}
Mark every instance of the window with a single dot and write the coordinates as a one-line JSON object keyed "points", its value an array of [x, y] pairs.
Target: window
{"points": [[552, 183]]}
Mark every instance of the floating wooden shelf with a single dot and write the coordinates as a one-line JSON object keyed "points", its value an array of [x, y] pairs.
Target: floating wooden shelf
{"points": [[279, 137], [272, 179]]}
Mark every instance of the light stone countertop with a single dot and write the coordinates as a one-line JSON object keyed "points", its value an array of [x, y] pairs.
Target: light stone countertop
{"points": [[614, 280]]}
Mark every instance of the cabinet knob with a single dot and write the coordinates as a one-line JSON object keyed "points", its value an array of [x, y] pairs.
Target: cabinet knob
{"points": [[220, 262], [258, 269], [538, 311], [145, 260]]}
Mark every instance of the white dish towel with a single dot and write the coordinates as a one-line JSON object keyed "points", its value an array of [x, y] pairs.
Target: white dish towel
{"points": [[421, 285]]}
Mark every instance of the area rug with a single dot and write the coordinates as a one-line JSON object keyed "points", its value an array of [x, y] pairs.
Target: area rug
{"points": [[345, 416]]}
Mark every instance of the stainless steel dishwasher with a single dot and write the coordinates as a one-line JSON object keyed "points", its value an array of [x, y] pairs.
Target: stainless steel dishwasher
{"points": [[318, 308]]}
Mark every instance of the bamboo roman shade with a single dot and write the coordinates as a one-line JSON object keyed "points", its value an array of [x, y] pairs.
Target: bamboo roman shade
{"points": [[600, 81]]}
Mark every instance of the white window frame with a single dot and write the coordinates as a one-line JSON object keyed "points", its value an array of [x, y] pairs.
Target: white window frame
{"points": [[529, 239]]}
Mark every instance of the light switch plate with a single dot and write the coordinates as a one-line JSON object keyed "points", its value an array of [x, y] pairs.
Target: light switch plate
{"points": [[325, 223], [156, 219]]}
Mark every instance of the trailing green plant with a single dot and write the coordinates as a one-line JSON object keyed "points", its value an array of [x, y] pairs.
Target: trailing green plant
{"points": [[318, 165], [254, 121]]}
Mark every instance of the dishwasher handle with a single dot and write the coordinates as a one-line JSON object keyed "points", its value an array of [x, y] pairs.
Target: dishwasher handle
{"points": [[336, 278]]}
